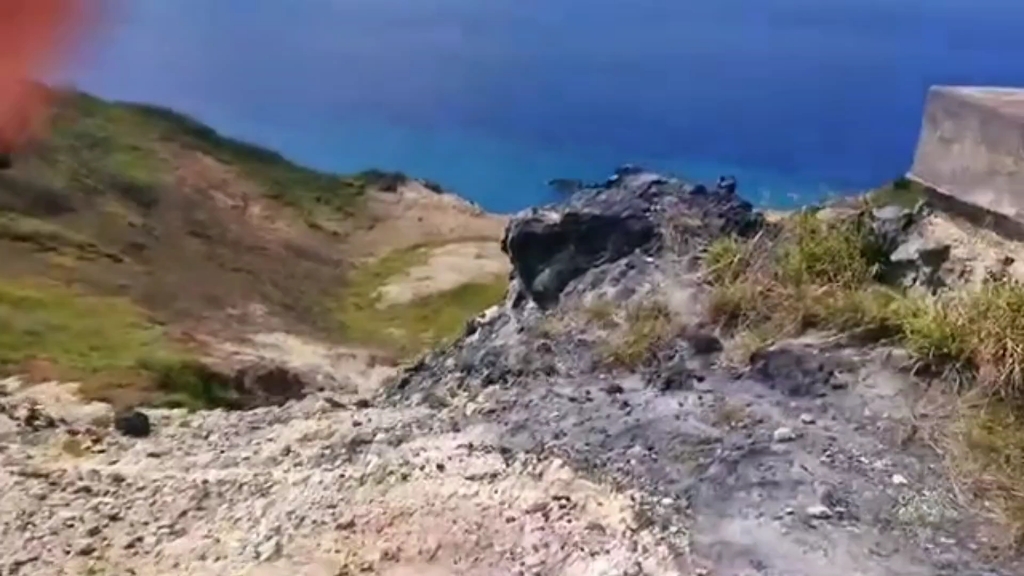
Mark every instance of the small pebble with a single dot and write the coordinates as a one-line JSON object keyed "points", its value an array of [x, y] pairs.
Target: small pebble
{"points": [[819, 512], [899, 480], [133, 423], [85, 548], [268, 549], [807, 418], [784, 434], [613, 388]]}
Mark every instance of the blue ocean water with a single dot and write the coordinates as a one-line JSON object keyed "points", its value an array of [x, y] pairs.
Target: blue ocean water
{"points": [[797, 98]]}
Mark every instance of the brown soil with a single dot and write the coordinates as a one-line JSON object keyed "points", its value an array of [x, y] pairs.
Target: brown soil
{"points": [[211, 244], [416, 215]]}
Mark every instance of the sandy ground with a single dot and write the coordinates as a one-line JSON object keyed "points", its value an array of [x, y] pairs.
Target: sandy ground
{"points": [[448, 267], [318, 487], [415, 215]]}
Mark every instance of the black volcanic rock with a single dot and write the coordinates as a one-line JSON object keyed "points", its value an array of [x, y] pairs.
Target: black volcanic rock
{"points": [[133, 423], [566, 186], [550, 247]]}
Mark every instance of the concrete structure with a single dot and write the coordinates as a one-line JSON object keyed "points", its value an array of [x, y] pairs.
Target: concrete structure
{"points": [[971, 150]]}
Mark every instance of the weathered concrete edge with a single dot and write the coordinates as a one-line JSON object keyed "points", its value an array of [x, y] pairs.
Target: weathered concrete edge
{"points": [[971, 147], [978, 216]]}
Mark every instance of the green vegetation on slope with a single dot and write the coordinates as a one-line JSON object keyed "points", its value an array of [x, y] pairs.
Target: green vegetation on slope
{"points": [[901, 192], [86, 334], [98, 148], [820, 274], [48, 237], [105, 147], [107, 343], [817, 274], [409, 328]]}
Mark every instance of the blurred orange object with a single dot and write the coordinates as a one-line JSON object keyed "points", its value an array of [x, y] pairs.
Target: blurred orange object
{"points": [[34, 37]]}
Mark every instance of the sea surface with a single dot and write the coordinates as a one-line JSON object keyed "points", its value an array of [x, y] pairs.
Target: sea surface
{"points": [[797, 98]]}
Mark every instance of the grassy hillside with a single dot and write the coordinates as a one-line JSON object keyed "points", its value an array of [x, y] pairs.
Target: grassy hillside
{"points": [[102, 147], [141, 202], [132, 225]]}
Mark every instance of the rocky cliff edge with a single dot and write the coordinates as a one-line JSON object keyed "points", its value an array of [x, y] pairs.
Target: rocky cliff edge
{"points": [[674, 384]]}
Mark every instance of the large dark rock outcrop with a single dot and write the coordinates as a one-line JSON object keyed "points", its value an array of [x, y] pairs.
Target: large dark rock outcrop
{"points": [[633, 212]]}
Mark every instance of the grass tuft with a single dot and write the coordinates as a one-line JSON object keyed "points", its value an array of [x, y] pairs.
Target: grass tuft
{"points": [[814, 273], [646, 327], [601, 313], [826, 252], [726, 259]]}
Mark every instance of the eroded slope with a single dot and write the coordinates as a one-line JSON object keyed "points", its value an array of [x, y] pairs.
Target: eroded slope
{"points": [[167, 238]]}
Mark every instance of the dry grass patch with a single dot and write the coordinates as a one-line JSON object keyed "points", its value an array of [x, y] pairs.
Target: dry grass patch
{"points": [[985, 450], [602, 313], [644, 328], [813, 273], [731, 415], [821, 273]]}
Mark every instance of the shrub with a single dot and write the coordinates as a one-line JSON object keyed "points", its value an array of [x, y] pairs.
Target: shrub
{"points": [[382, 180], [826, 252], [189, 383]]}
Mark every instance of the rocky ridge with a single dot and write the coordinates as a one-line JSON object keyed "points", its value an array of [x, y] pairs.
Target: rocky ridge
{"points": [[524, 447], [803, 462]]}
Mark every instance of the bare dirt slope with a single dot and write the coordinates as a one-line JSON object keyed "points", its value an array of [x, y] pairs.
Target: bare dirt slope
{"points": [[135, 232], [508, 453], [446, 267], [414, 215]]}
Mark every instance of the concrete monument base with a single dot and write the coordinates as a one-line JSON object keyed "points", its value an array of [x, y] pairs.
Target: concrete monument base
{"points": [[971, 149]]}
